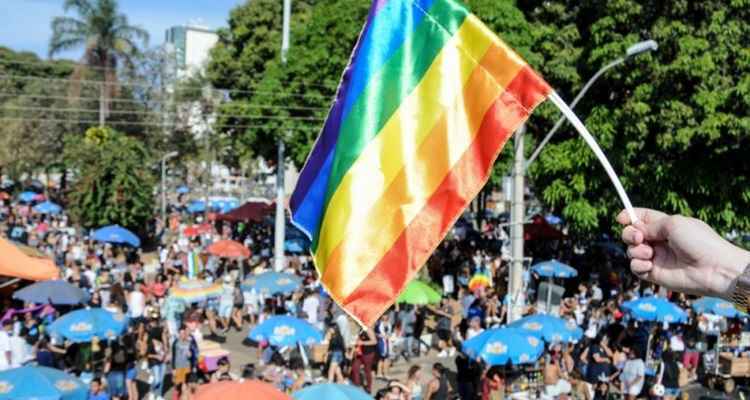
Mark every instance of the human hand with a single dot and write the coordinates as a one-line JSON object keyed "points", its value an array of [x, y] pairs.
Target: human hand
{"points": [[682, 254]]}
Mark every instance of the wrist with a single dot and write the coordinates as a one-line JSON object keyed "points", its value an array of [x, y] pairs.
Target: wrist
{"points": [[728, 270]]}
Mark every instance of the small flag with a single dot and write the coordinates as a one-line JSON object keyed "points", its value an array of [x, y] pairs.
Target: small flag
{"points": [[426, 104], [194, 264]]}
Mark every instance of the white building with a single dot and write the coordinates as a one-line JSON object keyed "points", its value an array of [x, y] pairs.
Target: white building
{"points": [[191, 45]]}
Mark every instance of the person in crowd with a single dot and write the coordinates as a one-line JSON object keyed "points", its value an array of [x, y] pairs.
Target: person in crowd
{"points": [[383, 333], [555, 384], [224, 373], [184, 354], [438, 388], [669, 376], [414, 383], [633, 375], [96, 391], [6, 353], [336, 352], [365, 353]]}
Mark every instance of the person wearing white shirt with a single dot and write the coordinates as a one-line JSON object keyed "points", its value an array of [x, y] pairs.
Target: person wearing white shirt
{"points": [[6, 355], [136, 302], [310, 307], [19, 351]]}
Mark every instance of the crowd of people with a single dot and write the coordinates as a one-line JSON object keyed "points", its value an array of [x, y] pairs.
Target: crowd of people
{"points": [[158, 354]]}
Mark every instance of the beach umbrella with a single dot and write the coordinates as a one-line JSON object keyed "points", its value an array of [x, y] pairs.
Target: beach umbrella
{"points": [[196, 290], [331, 391], [549, 328], [713, 305], [655, 309], [553, 269], [183, 189], [228, 248], [26, 197], [418, 292], [502, 345], [53, 292], [47, 207], [239, 390], [83, 325], [272, 282], [286, 331], [196, 206], [117, 235], [40, 383]]}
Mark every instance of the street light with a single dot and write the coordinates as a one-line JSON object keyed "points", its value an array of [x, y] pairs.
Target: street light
{"points": [[632, 51], [164, 159]]}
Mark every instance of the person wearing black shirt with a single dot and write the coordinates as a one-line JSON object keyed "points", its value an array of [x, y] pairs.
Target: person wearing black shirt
{"points": [[115, 367], [364, 356], [670, 376]]}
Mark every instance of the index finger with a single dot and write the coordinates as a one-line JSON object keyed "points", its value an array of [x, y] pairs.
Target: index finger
{"points": [[646, 215]]}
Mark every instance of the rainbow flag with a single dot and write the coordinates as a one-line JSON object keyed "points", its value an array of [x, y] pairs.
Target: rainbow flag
{"points": [[193, 263], [428, 100]]}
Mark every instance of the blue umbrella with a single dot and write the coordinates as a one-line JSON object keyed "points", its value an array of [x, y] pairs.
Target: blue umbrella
{"points": [[554, 269], [286, 331], [713, 305], [183, 189], [550, 329], [53, 292], [655, 309], [500, 345], [81, 326], [553, 219], [117, 235], [27, 197], [48, 207], [272, 282], [40, 383], [196, 206], [331, 391]]}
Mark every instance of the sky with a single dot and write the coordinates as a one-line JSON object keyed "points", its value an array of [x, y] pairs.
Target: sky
{"points": [[25, 24]]}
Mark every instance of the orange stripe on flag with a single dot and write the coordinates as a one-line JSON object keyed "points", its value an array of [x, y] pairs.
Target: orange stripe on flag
{"points": [[414, 246]]}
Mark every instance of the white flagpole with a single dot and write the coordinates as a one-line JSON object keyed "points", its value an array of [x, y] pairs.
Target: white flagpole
{"points": [[573, 118]]}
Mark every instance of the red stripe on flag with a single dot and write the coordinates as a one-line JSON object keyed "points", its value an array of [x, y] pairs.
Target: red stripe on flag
{"points": [[417, 242]]}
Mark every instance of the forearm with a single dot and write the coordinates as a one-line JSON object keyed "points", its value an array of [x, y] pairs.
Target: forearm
{"points": [[728, 268]]}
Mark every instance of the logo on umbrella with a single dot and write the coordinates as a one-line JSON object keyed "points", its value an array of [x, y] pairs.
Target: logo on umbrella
{"points": [[283, 330], [524, 358], [66, 385], [497, 348], [251, 282], [724, 305], [5, 387], [669, 318], [283, 281], [533, 341], [546, 268], [533, 326], [557, 337], [81, 327], [647, 307]]}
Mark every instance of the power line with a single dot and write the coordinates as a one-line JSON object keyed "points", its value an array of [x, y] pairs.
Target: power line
{"points": [[100, 83], [324, 85], [115, 100], [138, 112], [96, 122]]}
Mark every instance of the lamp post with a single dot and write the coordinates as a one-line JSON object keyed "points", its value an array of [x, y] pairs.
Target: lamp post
{"points": [[163, 185], [632, 51], [515, 283], [280, 220]]}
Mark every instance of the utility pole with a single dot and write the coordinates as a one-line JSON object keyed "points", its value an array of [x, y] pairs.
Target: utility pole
{"points": [[517, 215], [164, 185], [280, 226]]}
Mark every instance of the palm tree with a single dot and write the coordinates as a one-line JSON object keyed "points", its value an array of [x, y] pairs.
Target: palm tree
{"points": [[109, 42]]}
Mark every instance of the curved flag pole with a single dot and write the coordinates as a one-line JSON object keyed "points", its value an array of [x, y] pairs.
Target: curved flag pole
{"points": [[570, 115]]}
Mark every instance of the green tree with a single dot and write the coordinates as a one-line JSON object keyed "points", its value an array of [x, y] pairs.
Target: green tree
{"points": [[674, 122], [114, 183], [108, 39]]}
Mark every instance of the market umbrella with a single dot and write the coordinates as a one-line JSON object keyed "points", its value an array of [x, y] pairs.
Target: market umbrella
{"points": [[40, 383], [183, 189], [553, 269], [26, 197], [286, 331], [117, 235], [272, 282], [53, 292], [418, 292], [228, 248], [81, 326], [196, 206], [331, 391], [239, 390], [196, 290], [549, 328], [251, 211], [713, 305], [47, 207], [655, 309], [502, 345]]}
